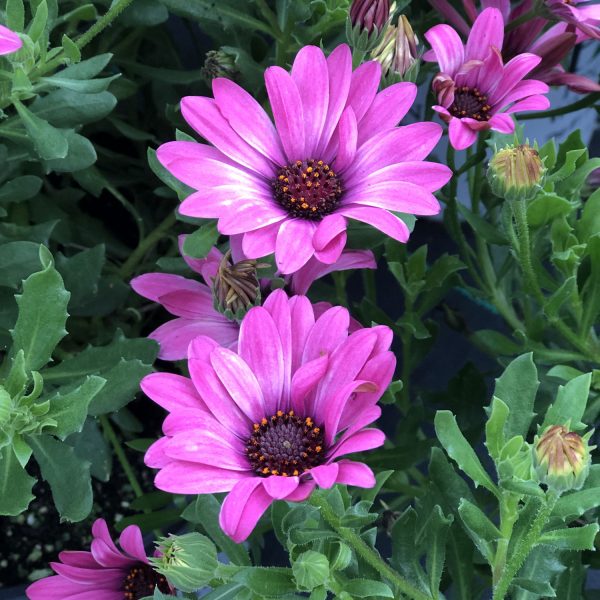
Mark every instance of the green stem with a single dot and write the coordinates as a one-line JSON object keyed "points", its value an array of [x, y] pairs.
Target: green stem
{"points": [[270, 17], [524, 547], [368, 277], [508, 517], [339, 279], [586, 101], [362, 549], [110, 434], [522, 19], [150, 240]]}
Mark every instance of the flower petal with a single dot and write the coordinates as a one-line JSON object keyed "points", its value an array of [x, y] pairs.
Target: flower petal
{"points": [[502, 122], [448, 48], [294, 245], [381, 219], [131, 541], [260, 242], [325, 475], [355, 473], [461, 136], [487, 32], [367, 439], [9, 41], [428, 175], [171, 391], [363, 87], [347, 136], [155, 285], [305, 380], [190, 478], [279, 487]]}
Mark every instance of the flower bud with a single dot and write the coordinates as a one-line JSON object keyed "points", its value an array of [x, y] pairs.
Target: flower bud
{"points": [[516, 173], [236, 288], [397, 53], [562, 458], [366, 23], [188, 561], [219, 63]]}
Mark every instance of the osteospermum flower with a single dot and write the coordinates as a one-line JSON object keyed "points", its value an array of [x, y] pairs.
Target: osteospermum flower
{"points": [[9, 41], [192, 301], [104, 573], [274, 419], [583, 15], [334, 153], [475, 90]]}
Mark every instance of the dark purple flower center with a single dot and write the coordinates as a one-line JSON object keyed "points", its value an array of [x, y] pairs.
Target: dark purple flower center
{"points": [[470, 102], [285, 445], [308, 189], [141, 581]]}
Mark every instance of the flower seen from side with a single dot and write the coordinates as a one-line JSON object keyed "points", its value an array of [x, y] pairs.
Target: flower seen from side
{"points": [[275, 418], [334, 153], [9, 41], [475, 90], [103, 573]]}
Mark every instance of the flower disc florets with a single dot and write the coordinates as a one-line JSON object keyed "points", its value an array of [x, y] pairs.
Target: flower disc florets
{"points": [[285, 445], [471, 103], [141, 581], [308, 189]]}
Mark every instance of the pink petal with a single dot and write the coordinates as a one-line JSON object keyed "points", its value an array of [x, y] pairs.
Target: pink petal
{"points": [[325, 475], [131, 541], [260, 242], [347, 135], [207, 267], [171, 391], [243, 507], [327, 230], [428, 175], [487, 31], [155, 285], [367, 439], [191, 478], [248, 118], [387, 109], [332, 251], [86, 577], [525, 88], [302, 322], [531, 103], [356, 419], [78, 558], [448, 48], [305, 380], [355, 473], [190, 304], [249, 215], [288, 113], [58, 588], [280, 487], [9, 41], [363, 87], [184, 419], [311, 76], [514, 71], [302, 492], [155, 456], [380, 219], [225, 200], [502, 122], [204, 116], [294, 244], [460, 135], [330, 329]]}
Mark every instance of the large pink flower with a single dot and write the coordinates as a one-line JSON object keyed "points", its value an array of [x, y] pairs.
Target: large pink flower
{"points": [[475, 90], [334, 153], [272, 420], [192, 302], [105, 573], [9, 41]]}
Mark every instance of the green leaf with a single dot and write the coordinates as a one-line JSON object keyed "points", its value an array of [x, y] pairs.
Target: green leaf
{"points": [[491, 234], [311, 569], [49, 142], [460, 451], [368, 588], [65, 108], [15, 15], [81, 274], [182, 190], [517, 388], [69, 409], [85, 86], [481, 530], [229, 591], [541, 588], [565, 293], [39, 21], [570, 403], [81, 155], [405, 555], [71, 49], [574, 538], [494, 428], [17, 261], [42, 314], [92, 446], [495, 343], [436, 531], [199, 243], [589, 223], [67, 474], [15, 484], [545, 207], [158, 519], [20, 188], [266, 581], [87, 69]]}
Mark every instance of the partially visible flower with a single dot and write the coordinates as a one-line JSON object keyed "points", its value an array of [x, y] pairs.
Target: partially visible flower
{"points": [[516, 172], [562, 458], [368, 15], [193, 303], [334, 153], [397, 53], [583, 15], [475, 90], [274, 419], [9, 41], [104, 573], [219, 63]]}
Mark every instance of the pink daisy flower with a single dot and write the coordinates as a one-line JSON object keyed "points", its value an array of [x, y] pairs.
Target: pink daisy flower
{"points": [[583, 15], [333, 153], [475, 90], [105, 573], [274, 419], [9, 41], [192, 301]]}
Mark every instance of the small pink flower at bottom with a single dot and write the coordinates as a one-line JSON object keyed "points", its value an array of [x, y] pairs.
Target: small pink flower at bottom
{"points": [[9, 41], [104, 573], [274, 419], [475, 90]]}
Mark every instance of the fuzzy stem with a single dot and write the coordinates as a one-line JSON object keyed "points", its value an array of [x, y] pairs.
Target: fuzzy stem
{"points": [[586, 101], [362, 549]]}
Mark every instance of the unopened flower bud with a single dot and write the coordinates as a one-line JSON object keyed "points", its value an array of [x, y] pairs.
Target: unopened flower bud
{"points": [[188, 561], [516, 173], [219, 63], [236, 288], [562, 458], [366, 23], [397, 53]]}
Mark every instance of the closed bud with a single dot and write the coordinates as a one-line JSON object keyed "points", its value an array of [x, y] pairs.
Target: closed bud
{"points": [[236, 288], [188, 561], [366, 23], [219, 63], [516, 172], [562, 458]]}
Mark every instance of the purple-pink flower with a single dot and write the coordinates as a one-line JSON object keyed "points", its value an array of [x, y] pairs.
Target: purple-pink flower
{"points": [[9, 41], [333, 153], [192, 302], [275, 418], [582, 14], [475, 90], [104, 573]]}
